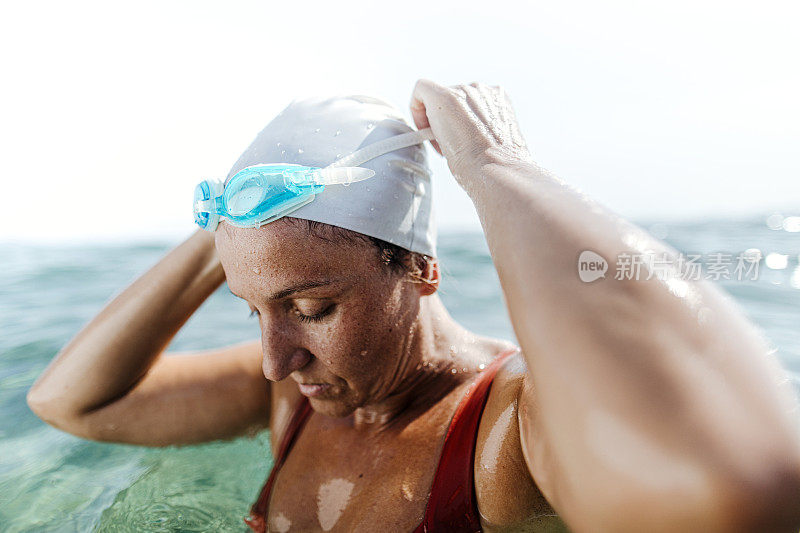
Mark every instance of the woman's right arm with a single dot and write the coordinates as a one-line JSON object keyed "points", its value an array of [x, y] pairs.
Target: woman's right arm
{"points": [[113, 383]]}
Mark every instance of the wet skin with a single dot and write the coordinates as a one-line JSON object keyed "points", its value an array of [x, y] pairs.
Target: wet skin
{"points": [[393, 366], [648, 405]]}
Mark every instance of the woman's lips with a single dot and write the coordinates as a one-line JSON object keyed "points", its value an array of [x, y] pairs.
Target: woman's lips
{"points": [[313, 389]]}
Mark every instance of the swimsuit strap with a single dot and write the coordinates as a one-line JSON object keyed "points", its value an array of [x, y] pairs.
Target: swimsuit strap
{"points": [[258, 512], [452, 505]]}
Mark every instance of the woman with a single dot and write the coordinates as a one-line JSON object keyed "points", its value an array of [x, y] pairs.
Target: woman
{"points": [[632, 405]]}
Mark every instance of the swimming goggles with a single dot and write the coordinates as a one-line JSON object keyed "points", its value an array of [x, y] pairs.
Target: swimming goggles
{"points": [[260, 194]]}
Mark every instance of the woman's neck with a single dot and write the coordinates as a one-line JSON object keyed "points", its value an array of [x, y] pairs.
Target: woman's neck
{"points": [[440, 355]]}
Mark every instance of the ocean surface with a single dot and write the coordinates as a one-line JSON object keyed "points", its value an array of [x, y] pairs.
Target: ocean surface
{"points": [[52, 481]]}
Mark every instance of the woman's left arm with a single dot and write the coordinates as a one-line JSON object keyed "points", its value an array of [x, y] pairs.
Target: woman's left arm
{"points": [[650, 404]]}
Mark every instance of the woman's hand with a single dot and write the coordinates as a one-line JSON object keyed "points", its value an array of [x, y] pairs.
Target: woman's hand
{"points": [[473, 124]]}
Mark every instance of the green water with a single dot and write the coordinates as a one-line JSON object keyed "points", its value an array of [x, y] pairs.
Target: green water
{"points": [[51, 481]]}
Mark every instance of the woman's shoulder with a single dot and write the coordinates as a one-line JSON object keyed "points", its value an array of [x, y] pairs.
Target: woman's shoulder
{"points": [[508, 381], [500, 465], [509, 378], [490, 348]]}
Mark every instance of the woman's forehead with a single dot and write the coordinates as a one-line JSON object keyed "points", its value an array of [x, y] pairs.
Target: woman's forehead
{"points": [[277, 234], [288, 251]]}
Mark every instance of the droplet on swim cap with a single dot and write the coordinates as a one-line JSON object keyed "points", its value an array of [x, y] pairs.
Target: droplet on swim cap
{"points": [[395, 205]]}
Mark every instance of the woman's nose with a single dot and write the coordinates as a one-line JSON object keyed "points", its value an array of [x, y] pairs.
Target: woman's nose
{"points": [[281, 355]]}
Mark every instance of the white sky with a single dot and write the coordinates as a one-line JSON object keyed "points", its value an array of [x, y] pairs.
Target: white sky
{"points": [[110, 113]]}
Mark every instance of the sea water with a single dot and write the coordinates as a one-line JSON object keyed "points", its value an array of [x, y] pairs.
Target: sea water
{"points": [[52, 481]]}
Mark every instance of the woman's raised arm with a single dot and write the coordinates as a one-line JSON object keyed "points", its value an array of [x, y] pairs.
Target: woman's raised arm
{"points": [[111, 382], [650, 405]]}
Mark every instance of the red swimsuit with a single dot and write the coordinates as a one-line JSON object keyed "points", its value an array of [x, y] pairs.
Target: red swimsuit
{"points": [[451, 505]]}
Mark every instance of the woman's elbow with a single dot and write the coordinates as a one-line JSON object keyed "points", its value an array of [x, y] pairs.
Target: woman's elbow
{"points": [[55, 413], [38, 404]]}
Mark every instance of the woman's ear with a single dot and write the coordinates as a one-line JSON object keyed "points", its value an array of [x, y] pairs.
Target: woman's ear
{"points": [[429, 275]]}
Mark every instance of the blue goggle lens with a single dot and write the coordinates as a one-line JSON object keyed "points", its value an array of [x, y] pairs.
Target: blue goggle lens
{"points": [[255, 195]]}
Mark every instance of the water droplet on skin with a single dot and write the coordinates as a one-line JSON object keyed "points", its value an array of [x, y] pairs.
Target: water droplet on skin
{"points": [[338, 132], [453, 348], [299, 150], [363, 352], [454, 371], [481, 366], [257, 270], [464, 369]]}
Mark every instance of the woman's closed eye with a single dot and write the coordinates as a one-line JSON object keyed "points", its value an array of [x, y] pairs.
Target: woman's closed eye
{"points": [[313, 316], [303, 317]]}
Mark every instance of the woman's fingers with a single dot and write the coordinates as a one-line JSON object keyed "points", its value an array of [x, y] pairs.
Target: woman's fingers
{"points": [[423, 91], [418, 97], [471, 123]]}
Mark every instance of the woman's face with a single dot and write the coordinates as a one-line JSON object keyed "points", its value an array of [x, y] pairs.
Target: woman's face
{"points": [[332, 317]]}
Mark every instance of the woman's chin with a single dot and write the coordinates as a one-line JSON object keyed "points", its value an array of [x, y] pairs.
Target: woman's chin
{"points": [[331, 407]]}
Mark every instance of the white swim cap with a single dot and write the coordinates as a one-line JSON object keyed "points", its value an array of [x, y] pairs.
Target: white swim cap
{"points": [[395, 206]]}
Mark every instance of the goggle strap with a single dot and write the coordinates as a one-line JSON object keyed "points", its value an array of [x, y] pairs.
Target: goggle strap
{"points": [[404, 140], [342, 175]]}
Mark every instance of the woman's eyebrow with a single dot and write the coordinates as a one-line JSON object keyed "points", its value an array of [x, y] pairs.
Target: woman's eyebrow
{"points": [[303, 286]]}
